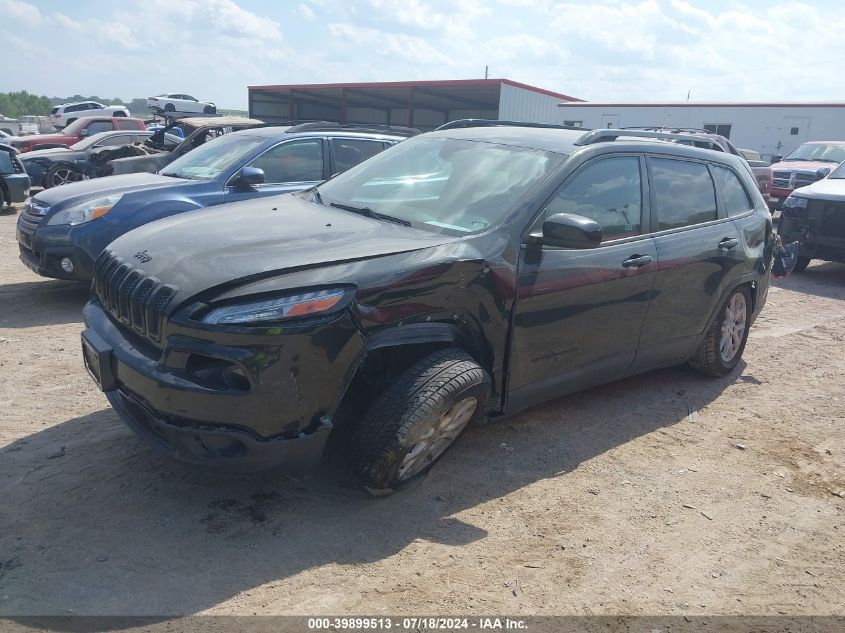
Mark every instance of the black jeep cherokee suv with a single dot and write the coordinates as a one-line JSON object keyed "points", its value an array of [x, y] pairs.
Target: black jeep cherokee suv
{"points": [[461, 274]]}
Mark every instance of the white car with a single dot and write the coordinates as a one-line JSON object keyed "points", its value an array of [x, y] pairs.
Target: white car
{"points": [[67, 113], [175, 102]]}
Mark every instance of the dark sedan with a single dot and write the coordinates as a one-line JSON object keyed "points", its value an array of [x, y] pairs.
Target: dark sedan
{"points": [[61, 231], [60, 165]]}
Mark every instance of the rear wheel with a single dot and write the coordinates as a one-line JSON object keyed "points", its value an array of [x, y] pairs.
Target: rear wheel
{"points": [[119, 113], [58, 175], [69, 121], [722, 347], [209, 109], [802, 263], [417, 419]]}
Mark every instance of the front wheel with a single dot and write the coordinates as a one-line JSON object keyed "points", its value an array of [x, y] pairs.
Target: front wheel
{"points": [[209, 110], [417, 419], [724, 342], [802, 263], [59, 175], [169, 107]]}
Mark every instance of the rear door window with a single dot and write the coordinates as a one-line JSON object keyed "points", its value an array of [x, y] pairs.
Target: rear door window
{"points": [[349, 152], [737, 200], [608, 191], [684, 193], [118, 139]]}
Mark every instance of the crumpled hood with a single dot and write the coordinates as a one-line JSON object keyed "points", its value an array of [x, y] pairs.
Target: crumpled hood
{"points": [[95, 187], [210, 248], [826, 189], [52, 152]]}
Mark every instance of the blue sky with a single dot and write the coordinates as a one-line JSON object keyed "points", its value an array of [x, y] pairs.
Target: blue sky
{"points": [[605, 50]]}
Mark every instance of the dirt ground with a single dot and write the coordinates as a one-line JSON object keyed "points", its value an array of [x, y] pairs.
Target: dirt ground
{"points": [[666, 493]]}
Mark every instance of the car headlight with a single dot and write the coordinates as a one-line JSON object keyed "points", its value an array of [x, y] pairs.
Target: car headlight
{"points": [[276, 309], [85, 211], [794, 202]]}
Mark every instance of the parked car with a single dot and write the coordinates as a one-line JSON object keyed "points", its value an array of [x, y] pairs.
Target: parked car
{"points": [[462, 274], [197, 130], [4, 134], [175, 102], [62, 231], [14, 183], [814, 216], [804, 166], [58, 166], [28, 125], [75, 132], [65, 114]]}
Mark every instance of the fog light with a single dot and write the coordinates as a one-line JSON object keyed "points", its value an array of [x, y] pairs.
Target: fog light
{"points": [[67, 265]]}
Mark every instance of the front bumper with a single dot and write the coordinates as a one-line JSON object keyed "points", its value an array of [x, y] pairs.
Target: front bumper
{"points": [[813, 243], [42, 250], [17, 186], [278, 416]]}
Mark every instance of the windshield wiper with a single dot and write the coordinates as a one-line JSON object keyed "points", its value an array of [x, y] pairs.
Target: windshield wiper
{"points": [[369, 213]]}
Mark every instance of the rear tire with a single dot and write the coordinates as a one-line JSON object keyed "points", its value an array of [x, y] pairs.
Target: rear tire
{"points": [[68, 122], [118, 114], [802, 263], [209, 110], [722, 347], [418, 417]]}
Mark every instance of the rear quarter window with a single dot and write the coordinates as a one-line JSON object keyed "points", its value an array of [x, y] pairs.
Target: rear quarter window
{"points": [[683, 192], [737, 200]]}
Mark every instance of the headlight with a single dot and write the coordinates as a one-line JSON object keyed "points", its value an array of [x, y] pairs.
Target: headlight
{"points": [[85, 211], [794, 202], [276, 309]]}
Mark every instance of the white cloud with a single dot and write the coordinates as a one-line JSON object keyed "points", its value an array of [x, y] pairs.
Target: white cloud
{"points": [[19, 11], [306, 12], [407, 47]]}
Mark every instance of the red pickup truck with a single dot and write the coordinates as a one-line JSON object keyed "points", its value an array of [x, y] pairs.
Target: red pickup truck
{"points": [[812, 161], [76, 131]]}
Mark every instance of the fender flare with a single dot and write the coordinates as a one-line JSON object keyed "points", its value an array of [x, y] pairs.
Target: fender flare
{"points": [[746, 279]]}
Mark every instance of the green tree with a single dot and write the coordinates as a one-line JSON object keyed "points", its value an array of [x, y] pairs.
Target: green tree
{"points": [[18, 104]]}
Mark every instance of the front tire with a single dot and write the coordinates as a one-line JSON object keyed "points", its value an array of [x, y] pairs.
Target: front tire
{"points": [[209, 110], [417, 419], [722, 347], [58, 175], [169, 107], [802, 263]]}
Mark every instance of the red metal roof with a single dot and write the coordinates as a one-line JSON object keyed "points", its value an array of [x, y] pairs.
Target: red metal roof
{"points": [[444, 83]]}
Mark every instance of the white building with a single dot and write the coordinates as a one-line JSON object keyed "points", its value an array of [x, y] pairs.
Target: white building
{"points": [[769, 128]]}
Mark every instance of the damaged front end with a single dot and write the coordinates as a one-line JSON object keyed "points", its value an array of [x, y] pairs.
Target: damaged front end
{"points": [[817, 224]]}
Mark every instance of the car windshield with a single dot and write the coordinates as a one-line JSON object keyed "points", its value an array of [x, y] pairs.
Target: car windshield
{"points": [[820, 152], [839, 172], [441, 184], [212, 158]]}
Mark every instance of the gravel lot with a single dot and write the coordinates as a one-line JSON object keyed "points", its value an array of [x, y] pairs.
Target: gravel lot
{"points": [[666, 493]]}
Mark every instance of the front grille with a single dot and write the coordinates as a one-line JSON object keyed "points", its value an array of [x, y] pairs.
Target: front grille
{"points": [[784, 179], [32, 214], [131, 296]]}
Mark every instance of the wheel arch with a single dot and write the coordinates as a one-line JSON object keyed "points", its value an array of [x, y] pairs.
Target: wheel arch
{"points": [[391, 351]]}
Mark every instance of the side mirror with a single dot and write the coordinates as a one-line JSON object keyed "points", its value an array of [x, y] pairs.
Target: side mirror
{"points": [[84, 133], [250, 177], [822, 172], [569, 231]]}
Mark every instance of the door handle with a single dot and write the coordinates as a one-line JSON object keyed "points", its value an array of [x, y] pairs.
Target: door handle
{"points": [[637, 261], [728, 243]]}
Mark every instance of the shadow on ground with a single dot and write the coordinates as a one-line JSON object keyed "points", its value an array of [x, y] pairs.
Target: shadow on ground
{"points": [[823, 279], [94, 522], [36, 303]]}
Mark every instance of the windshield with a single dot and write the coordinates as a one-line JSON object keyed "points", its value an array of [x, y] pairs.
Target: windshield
{"points": [[212, 158], [839, 172], [820, 152], [441, 184]]}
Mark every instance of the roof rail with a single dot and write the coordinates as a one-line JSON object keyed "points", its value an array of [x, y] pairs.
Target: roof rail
{"points": [[464, 123], [612, 134], [670, 129], [314, 126]]}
